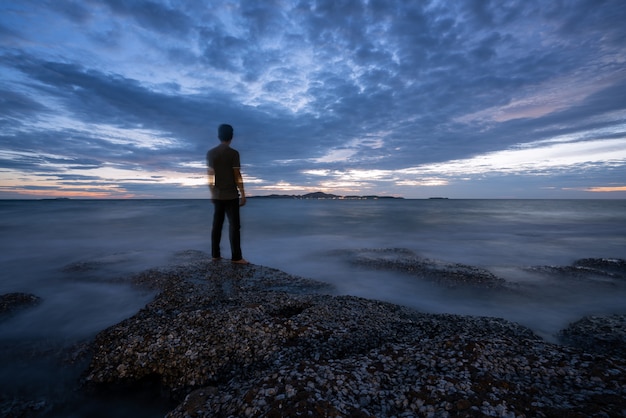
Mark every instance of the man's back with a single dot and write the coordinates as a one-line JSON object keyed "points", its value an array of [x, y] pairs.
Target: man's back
{"points": [[223, 160]]}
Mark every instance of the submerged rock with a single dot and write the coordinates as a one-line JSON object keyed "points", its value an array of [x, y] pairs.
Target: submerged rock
{"points": [[450, 275], [614, 267], [607, 271], [10, 303]]}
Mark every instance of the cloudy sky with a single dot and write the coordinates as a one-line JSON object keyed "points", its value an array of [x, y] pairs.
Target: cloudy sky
{"points": [[457, 98]]}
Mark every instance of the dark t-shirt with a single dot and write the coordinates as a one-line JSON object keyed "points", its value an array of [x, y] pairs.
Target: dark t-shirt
{"points": [[223, 159]]}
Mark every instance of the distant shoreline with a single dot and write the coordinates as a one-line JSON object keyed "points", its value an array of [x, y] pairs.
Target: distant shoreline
{"points": [[323, 196]]}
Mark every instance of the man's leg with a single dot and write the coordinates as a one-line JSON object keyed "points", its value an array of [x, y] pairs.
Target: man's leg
{"points": [[234, 227], [219, 210]]}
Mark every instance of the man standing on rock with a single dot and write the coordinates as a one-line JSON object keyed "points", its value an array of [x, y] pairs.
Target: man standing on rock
{"points": [[227, 193]]}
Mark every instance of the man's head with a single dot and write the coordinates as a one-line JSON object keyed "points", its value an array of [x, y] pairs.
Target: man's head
{"points": [[225, 132]]}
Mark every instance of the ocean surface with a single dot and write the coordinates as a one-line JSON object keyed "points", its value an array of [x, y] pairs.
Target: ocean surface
{"points": [[43, 242]]}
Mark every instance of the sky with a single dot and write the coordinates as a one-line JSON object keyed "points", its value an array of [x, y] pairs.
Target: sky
{"points": [[461, 99]]}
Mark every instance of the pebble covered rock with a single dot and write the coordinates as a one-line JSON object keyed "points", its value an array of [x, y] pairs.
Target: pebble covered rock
{"points": [[249, 341], [449, 275], [598, 334], [10, 303]]}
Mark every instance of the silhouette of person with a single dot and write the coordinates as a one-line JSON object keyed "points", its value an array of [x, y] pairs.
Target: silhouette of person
{"points": [[227, 193]]}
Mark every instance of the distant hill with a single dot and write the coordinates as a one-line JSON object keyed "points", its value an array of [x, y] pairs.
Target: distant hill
{"points": [[322, 195]]}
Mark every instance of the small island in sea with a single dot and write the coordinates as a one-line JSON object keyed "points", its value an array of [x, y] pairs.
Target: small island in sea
{"points": [[322, 195]]}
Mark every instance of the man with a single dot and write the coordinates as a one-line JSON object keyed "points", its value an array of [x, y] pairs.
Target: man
{"points": [[227, 193]]}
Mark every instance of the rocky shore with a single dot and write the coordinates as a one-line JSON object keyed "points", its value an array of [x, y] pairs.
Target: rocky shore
{"points": [[223, 340]]}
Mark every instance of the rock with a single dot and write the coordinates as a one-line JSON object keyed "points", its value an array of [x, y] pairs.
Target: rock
{"points": [[606, 271], [10, 303], [597, 334], [450, 275], [229, 340], [611, 266]]}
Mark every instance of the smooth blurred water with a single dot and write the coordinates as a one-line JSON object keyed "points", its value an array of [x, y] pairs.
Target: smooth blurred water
{"points": [[39, 239], [476, 232]]}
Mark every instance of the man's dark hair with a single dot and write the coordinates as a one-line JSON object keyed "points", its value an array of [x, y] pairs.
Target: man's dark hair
{"points": [[225, 132]]}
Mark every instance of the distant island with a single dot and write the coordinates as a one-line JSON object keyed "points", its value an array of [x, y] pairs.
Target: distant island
{"points": [[322, 195]]}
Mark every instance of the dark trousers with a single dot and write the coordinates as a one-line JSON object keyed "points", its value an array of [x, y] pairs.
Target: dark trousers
{"points": [[230, 209]]}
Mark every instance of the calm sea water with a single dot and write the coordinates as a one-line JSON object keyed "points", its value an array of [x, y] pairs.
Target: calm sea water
{"points": [[39, 239]]}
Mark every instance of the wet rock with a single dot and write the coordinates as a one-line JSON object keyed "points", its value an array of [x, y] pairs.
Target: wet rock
{"points": [[612, 266], [602, 271], [450, 275], [83, 266], [229, 340], [598, 334], [18, 408], [10, 303]]}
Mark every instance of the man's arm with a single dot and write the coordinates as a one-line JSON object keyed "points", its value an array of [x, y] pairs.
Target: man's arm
{"points": [[239, 181], [211, 176]]}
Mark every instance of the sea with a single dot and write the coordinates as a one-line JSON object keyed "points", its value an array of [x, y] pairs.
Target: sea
{"points": [[71, 254]]}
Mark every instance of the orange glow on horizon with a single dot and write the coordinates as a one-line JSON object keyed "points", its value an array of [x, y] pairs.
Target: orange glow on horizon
{"points": [[604, 189], [72, 193]]}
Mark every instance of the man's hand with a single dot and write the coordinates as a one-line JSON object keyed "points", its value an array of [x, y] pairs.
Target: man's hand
{"points": [[239, 181]]}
